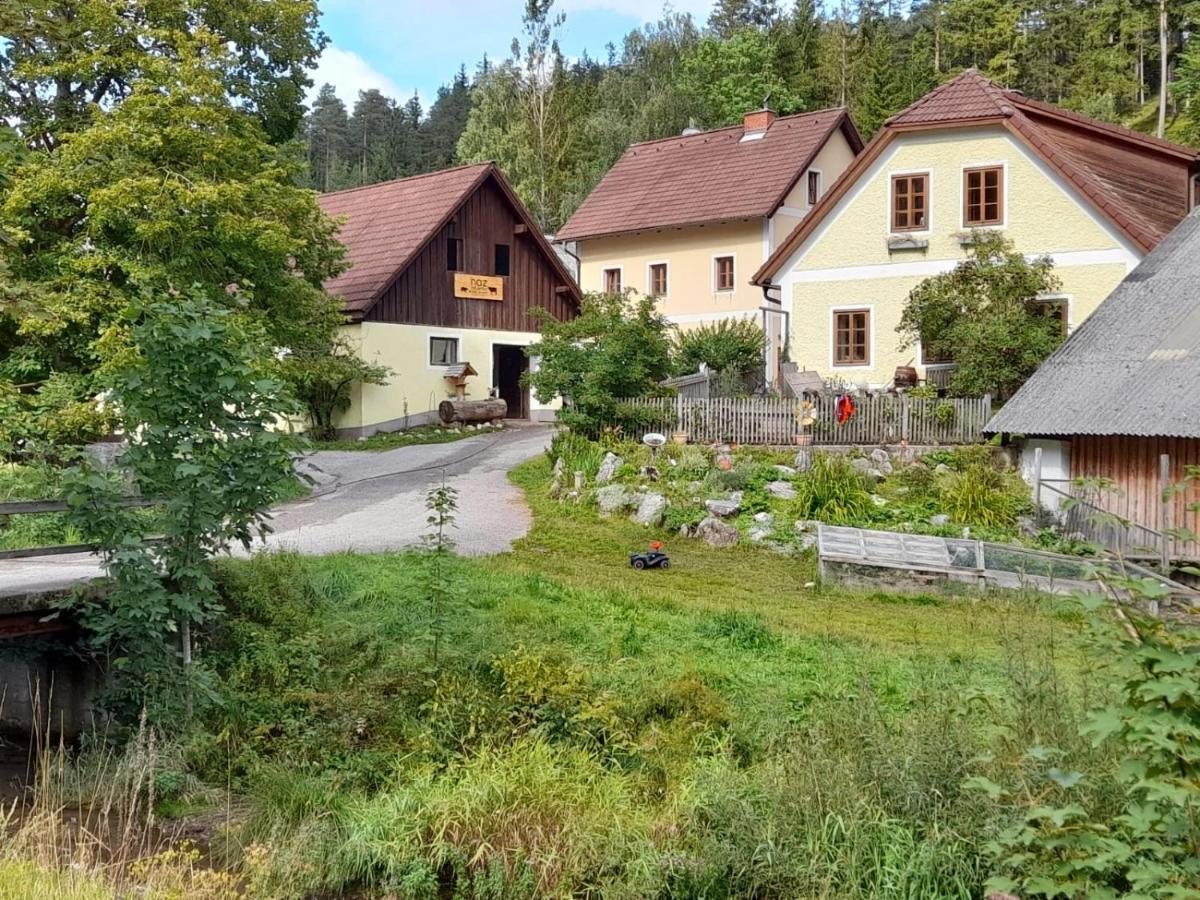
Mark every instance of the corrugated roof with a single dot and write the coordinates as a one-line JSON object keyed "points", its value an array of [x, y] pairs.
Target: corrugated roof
{"points": [[1133, 368], [707, 177], [388, 224], [1107, 164]]}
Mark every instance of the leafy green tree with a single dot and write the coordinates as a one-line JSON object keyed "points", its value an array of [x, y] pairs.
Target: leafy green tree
{"points": [[731, 77], [729, 345], [322, 381], [64, 61], [173, 186], [199, 406], [616, 348], [986, 315], [731, 16]]}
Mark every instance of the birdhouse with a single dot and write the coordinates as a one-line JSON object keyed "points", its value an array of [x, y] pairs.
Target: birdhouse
{"points": [[457, 375]]}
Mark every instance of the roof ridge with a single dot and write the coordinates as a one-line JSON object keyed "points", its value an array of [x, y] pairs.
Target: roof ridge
{"points": [[406, 178], [737, 125], [987, 87]]}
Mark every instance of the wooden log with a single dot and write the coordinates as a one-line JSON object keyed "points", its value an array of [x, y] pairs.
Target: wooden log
{"points": [[472, 410]]}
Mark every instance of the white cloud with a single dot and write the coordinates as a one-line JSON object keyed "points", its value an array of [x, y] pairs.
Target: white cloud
{"points": [[349, 73]]}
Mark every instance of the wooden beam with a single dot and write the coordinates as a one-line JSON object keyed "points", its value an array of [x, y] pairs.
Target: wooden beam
{"points": [[561, 289], [520, 228]]}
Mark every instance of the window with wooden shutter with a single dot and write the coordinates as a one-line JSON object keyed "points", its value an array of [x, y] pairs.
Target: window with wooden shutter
{"points": [[910, 202], [723, 273], [658, 279], [500, 262], [814, 188], [852, 337], [983, 196], [612, 281]]}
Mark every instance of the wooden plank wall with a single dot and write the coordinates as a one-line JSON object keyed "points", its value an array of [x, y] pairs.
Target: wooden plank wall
{"points": [[424, 292], [1132, 463]]}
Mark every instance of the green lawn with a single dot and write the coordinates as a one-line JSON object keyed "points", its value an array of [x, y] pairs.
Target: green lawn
{"points": [[390, 440], [718, 729]]}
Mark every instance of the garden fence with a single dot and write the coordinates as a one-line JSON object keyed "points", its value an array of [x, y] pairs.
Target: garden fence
{"points": [[880, 419]]}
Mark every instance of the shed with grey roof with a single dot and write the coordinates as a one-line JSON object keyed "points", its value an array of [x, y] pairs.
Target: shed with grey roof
{"points": [[1121, 397]]}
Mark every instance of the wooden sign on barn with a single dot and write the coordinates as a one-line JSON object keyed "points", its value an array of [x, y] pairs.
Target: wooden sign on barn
{"points": [[478, 287]]}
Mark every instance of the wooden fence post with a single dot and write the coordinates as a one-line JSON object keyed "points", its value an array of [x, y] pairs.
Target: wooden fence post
{"points": [[1167, 508]]}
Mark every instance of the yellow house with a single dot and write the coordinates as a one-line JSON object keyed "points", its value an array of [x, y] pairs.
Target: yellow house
{"points": [[688, 219], [969, 156], [445, 271]]}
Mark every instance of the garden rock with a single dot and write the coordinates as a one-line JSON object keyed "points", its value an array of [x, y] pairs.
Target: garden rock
{"points": [[650, 510], [807, 529], [723, 508], [939, 519], [781, 490], [882, 461], [765, 519], [786, 471], [560, 466], [758, 535], [716, 533], [608, 468], [942, 467], [861, 464], [878, 501], [684, 531], [1028, 526], [803, 461], [612, 498]]}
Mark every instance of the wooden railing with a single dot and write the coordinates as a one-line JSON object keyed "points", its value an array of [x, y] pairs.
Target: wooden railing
{"points": [[43, 507], [880, 419]]}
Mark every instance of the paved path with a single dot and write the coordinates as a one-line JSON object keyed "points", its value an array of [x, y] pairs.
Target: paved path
{"points": [[369, 502]]}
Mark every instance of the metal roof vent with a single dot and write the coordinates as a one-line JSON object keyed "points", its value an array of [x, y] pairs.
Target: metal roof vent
{"points": [[691, 129]]}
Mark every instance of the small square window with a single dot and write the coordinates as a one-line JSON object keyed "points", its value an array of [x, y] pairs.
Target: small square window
{"points": [[1054, 308], [814, 188], [983, 196], [612, 281], [910, 202], [443, 351], [454, 254], [723, 273], [852, 337], [501, 260], [658, 279]]}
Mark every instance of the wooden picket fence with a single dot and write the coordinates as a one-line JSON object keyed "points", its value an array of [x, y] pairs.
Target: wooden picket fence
{"points": [[879, 419]]}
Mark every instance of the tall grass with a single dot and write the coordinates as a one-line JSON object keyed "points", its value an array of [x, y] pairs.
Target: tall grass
{"points": [[833, 491]]}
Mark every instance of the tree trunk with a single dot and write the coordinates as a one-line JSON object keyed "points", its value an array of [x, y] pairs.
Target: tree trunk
{"points": [[1162, 67], [472, 410]]}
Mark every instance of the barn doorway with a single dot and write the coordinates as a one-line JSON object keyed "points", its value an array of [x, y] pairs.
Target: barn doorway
{"points": [[509, 363]]}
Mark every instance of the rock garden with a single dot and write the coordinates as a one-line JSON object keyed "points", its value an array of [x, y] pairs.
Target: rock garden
{"points": [[725, 495]]}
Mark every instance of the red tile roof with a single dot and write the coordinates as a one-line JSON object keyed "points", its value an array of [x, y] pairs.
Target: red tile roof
{"points": [[388, 224], [1120, 171], [708, 177]]}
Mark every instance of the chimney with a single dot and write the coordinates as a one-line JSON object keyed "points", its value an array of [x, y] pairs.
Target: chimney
{"points": [[759, 120]]}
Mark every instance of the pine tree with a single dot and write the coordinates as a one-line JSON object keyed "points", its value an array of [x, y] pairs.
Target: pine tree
{"points": [[327, 130]]}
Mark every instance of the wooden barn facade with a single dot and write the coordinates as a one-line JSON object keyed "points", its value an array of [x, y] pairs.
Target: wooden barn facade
{"points": [[445, 272], [1112, 418]]}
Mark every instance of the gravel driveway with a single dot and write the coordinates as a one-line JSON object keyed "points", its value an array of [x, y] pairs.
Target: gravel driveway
{"points": [[369, 502]]}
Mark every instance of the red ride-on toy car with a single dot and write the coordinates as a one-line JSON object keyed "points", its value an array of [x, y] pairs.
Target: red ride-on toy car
{"points": [[654, 558]]}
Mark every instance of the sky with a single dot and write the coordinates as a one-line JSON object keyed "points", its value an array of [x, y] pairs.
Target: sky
{"points": [[399, 46]]}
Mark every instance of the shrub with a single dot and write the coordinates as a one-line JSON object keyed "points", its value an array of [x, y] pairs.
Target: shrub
{"points": [[733, 346], [980, 495], [833, 491], [691, 462]]}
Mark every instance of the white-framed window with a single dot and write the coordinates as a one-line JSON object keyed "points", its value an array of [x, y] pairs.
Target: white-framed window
{"points": [[984, 195], [656, 279], [724, 276], [443, 351], [1058, 308], [909, 195], [851, 337], [611, 280]]}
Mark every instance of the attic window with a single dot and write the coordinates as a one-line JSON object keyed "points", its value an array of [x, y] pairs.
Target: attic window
{"points": [[501, 259], [910, 202], [814, 187], [983, 196], [454, 254]]}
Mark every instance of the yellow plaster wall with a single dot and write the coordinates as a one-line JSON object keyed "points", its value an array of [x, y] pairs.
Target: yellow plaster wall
{"points": [[1041, 217], [688, 253], [1085, 287], [833, 159], [416, 387]]}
